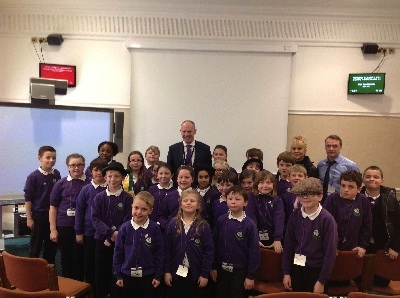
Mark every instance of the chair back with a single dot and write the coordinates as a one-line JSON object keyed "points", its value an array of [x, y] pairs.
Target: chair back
{"points": [[365, 295], [347, 266], [22, 294], [385, 267], [293, 294], [26, 274], [270, 266]]}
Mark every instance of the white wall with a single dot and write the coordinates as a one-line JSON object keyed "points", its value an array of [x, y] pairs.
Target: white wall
{"points": [[237, 99], [103, 70], [319, 81]]}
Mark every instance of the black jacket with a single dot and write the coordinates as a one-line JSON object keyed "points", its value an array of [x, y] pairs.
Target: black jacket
{"points": [[308, 164]]}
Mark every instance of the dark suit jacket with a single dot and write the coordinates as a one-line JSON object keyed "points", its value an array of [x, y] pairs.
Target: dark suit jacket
{"points": [[202, 155]]}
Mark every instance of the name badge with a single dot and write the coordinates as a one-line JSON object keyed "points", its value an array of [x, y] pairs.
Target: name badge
{"points": [[136, 272], [182, 271], [71, 212], [263, 235], [299, 260], [227, 267]]}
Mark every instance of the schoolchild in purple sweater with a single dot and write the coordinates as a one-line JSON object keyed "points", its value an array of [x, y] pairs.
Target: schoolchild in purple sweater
{"points": [[352, 212], [237, 251], [170, 206], [297, 173], [38, 187], [267, 211], [83, 216], [204, 174], [189, 249], [310, 241], [159, 191], [62, 216], [139, 251], [110, 209], [219, 207], [284, 161], [136, 179]]}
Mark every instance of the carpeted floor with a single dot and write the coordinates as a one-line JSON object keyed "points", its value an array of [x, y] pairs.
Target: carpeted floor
{"points": [[20, 247]]}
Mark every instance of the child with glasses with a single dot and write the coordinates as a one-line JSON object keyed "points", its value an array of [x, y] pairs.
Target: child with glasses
{"points": [[62, 216], [310, 241]]}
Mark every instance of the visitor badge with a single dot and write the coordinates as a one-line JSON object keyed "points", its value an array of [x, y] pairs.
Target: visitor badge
{"points": [[182, 271], [227, 267], [71, 212], [263, 235], [299, 260], [136, 272]]}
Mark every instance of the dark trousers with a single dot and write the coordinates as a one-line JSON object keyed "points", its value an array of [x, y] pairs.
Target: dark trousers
{"points": [[231, 284], [304, 278], [41, 234], [103, 268], [138, 287], [184, 287], [71, 253], [89, 248]]}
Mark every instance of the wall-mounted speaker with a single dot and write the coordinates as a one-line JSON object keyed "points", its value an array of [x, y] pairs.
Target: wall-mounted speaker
{"points": [[119, 130], [370, 48], [55, 39], [42, 94]]}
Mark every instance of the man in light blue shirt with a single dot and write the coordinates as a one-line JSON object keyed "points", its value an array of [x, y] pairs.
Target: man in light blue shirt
{"points": [[331, 167]]}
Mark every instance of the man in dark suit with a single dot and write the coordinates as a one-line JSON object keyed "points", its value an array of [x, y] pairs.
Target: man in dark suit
{"points": [[189, 152]]}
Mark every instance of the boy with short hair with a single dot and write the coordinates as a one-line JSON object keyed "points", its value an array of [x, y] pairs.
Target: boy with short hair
{"points": [[297, 173], [219, 206], [310, 241], [385, 217], [237, 252], [284, 161], [83, 216], [352, 213], [254, 153], [38, 187], [139, 251]]}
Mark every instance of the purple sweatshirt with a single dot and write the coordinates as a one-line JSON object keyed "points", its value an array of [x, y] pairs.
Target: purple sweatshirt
{"points": [[316, 239], [268, 214], [38, 187], [63, 196], [109, 212], [197, 244], [237, 243], [353, 218], [143, 247], [159, 195], [83, 212]]}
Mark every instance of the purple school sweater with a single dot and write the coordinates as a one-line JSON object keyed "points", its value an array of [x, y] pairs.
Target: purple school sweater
{"points": [[237, 243], [288, 200], [63, 196], [109, 212], [159, 195], [83, 212], [353, 218], [143, 247], [197, 244], [282, 186], [209, 198], [38, 187], [316, 239], [218, 209], [268, 214]]}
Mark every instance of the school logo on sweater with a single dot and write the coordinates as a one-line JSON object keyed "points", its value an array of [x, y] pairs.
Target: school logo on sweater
{"points": [[356, 212], [147, 240], [197, 242], [120, 206], [239, 236], [316, 234]]}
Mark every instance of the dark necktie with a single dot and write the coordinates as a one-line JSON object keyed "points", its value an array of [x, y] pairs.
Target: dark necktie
{"points": [[189, 153], [326, 180]]}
